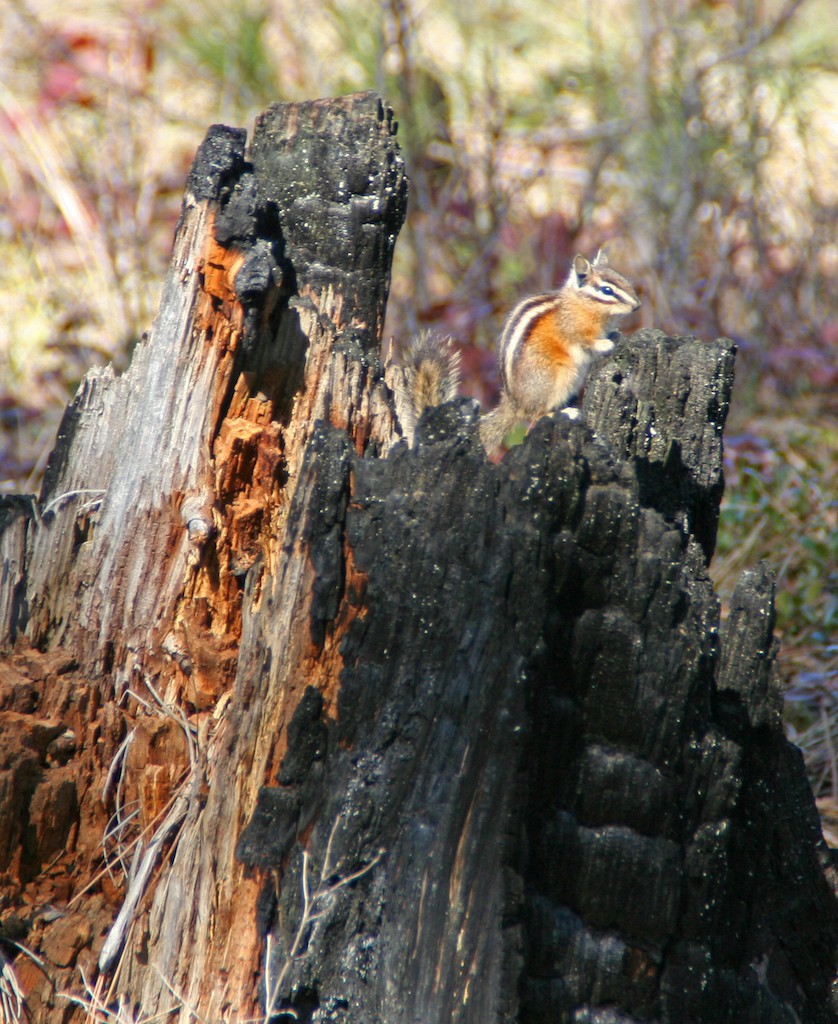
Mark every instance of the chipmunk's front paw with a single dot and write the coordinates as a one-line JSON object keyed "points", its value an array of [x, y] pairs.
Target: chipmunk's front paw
{"points": [[571, 411], [603, 345]]}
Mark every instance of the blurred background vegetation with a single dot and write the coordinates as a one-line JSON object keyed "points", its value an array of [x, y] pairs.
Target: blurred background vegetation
{"points": [[696, 139]]}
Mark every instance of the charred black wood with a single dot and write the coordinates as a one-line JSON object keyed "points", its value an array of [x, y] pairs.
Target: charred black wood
{"points": [[560, 792]]}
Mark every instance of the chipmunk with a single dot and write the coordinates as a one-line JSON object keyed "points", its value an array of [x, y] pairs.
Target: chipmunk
{"points": [[545, 347]]}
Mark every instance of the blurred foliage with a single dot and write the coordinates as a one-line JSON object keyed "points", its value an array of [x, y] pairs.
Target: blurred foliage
{"points": [[782, 482], [226, 44], [696, 139], [782, 505]]}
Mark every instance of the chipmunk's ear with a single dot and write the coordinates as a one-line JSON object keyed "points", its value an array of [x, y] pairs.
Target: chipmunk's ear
{"points": [[581, 268], [600, 260]]}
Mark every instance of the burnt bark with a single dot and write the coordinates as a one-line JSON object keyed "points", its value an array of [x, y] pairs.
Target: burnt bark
{"points": [[411, 736]]}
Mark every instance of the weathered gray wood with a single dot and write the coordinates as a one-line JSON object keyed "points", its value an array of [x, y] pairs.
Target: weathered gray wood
{"points": [[170, 484], [16, 514], [139, 443], [244, 322]]}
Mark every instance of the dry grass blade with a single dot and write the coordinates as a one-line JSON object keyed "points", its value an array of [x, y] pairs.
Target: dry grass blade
{"points": [[144, 862], [314, 906], [45, 159], [100, 1010], [141, 870], [11, 997]]}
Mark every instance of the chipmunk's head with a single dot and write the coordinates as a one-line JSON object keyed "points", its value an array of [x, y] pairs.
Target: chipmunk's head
{"points": [[596, 282]]}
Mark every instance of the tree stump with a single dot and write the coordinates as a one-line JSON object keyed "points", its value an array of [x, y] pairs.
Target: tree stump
{"points": [[375, 730]]}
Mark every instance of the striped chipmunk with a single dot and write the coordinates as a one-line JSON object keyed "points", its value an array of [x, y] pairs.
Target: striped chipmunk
{"points": [[544, 351]]}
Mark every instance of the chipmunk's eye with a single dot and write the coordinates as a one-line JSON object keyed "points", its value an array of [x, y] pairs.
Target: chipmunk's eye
{"points": [[607, 290]]}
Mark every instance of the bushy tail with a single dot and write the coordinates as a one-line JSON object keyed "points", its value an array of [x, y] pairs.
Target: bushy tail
{"points": [[432, 371], [428, 374]]}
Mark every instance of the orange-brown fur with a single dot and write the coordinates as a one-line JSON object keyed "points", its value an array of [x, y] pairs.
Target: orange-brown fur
{"points": [[546, 344], [577, 319]]}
